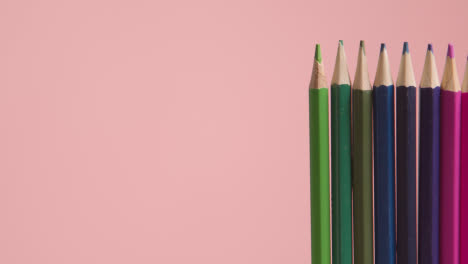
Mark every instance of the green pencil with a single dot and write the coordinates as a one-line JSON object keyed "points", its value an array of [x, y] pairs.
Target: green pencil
{"points": [[362, 161], [319, 171], [341, 161]]}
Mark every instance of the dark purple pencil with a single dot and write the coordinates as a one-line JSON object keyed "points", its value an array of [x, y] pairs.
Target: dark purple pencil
{"points": [[428, 236], [406, 160]]}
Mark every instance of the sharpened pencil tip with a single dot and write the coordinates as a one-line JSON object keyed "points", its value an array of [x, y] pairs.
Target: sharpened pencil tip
{"points": [[382, 47], [429, 48], [318, 53], [341, 42], [450, 52], [362, 46], [405, 47]]}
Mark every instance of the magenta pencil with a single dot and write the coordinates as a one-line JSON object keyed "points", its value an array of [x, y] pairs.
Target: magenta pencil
{"points": [[450, 108], [464, 171]]}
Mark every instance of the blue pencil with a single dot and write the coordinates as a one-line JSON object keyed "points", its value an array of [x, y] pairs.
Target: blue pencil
{"points": [[384, 162], [406, 160], [428, 235]]}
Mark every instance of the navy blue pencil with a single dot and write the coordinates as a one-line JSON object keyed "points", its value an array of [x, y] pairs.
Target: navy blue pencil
{"points": [[406, 160], [384, 162], [428, 235]]}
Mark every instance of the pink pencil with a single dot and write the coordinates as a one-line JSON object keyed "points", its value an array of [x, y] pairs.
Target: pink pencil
{"points": [[450, 100], [464, 171]]}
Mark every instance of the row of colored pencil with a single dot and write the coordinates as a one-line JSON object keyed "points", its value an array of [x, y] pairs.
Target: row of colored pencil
{"points": [[423, 221]]}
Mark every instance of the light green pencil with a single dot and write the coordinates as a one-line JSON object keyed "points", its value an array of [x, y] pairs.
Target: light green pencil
{"points": [[319, 162]]}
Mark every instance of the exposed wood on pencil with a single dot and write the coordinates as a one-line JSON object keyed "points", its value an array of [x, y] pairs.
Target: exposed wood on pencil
{"points": [[341, 73], [361, 78], [450, 80], [383, 75], [318, 79], [430, 77], [406, 72]]}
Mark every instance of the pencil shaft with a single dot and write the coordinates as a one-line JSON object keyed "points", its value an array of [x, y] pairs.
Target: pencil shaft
{"points": [[464, 180], [450, 177], [362, 176], [428, 235], [384, 175], [406, 174], [341, 174], [319, 175]]}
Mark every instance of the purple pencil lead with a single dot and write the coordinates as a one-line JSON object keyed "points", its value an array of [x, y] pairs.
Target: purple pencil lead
{"points": [[450, 52]]}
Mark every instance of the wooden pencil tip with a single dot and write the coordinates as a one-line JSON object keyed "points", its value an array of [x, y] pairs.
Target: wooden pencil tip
{"points": [[429, 78], [450, 52], [382, 47], [362, 46], [318, 53], [405, 48], [405, 72], [341, 42], [450, 80]]}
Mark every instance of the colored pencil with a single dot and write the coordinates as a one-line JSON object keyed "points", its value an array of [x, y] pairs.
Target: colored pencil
{"points": [[406, 160], [362, 161], [450, 100], [319, 162], [341, 161], [384, 162], [464, 171], [428, 234]]}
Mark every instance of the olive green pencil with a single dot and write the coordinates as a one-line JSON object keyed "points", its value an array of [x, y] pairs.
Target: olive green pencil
{"points": [[362, 161]]}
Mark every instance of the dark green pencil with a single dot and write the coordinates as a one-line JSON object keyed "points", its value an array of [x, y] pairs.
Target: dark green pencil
{"points": [[342, 243]]}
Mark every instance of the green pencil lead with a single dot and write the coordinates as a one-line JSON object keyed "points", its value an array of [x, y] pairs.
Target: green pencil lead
{"points": [[318, 53]]}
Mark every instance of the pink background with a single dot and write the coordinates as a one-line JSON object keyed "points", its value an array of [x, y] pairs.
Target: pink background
{"points": [[176, 131]]}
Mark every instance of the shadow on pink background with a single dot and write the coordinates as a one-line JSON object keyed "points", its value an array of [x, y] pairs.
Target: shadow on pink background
{"points": [[177, 131]]}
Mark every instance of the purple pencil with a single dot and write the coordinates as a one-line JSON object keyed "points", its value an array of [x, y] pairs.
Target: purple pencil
{"points": [[450, 101]]}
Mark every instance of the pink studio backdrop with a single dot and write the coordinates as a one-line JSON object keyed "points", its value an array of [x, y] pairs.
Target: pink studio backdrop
{"points": [[177, 131]]}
